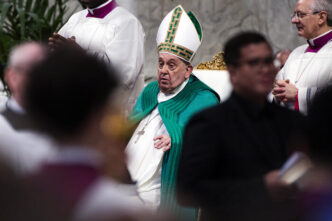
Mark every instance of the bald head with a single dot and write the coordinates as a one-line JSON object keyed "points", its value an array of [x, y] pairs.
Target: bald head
{"points": [[26, 54], [21, 59]]}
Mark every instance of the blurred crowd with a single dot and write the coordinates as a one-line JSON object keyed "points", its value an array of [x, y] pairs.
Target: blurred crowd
{"points": [[81, 138]]}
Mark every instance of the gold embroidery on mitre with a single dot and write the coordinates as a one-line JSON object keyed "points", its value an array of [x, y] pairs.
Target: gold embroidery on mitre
{"points": [[173, 25], [178, 50], [169, 45]]}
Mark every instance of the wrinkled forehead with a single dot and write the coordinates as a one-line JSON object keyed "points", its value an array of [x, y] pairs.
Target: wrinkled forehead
{"points": [[164, 56]]}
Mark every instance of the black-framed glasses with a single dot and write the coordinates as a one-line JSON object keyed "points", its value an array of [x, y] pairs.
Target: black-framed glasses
{"points": [[301, 15], [259, 62]]}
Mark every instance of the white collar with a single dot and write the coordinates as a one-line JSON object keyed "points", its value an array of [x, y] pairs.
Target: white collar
{"points": [[100, 6], [164, 97], [14, 106]]}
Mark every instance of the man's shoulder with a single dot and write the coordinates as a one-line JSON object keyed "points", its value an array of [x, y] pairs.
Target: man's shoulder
{"points": [[153, 85], [205, 98], [217, 111], [124, 12], [75, 18], [78, 14], [122, 15], [206, 92], [202, 89], [300, 49], [327, 49]]}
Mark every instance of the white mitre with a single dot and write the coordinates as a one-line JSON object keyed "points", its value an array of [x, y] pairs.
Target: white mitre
{"points": [[180, 34]]}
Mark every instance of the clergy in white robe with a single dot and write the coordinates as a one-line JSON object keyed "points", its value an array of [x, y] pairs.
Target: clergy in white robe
{"points": [[21, 145], [114, 35], [309, 67], [163, 109], [309, 71], [144, 160]]}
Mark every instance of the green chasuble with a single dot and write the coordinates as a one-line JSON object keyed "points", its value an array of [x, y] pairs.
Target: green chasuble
{"points": [[175, 114]]}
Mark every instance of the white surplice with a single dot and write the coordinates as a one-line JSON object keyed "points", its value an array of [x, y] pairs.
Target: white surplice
{"points": [[118, 39], [24, 150], [144, 160], [309, 72], [3, 96]]}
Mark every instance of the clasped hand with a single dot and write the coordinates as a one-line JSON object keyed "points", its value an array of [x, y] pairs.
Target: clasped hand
{"points": [[57, 40], [284, 91]]}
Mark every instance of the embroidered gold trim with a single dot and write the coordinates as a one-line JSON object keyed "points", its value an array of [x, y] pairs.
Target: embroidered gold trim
{"points": [[179, 50], [173, 25]]}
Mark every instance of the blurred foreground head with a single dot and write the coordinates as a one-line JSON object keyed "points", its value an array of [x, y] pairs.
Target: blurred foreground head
{"points": [[22, 58], [249, 60], [67, 90]]}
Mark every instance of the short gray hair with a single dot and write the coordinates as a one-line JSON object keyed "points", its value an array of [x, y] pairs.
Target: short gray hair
{"points": [[323, 5]]}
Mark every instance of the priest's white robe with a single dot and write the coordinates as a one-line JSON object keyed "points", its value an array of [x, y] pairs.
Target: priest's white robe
{"points": [[309, 72], [118, 39], [24, 150]]}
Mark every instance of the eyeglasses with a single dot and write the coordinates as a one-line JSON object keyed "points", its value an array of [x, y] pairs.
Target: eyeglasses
{"points": [[301, 15], [259, 62]]}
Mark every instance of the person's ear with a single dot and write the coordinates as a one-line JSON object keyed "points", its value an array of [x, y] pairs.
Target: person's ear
{"points": [[9, 77], [322, 18], [232, 71], [189, 70]]}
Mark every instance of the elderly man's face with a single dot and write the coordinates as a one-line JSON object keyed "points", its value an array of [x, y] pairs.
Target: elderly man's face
{"points": [[26, 56], [307, 22], [171, 72], [254, 75], [92, 3]]}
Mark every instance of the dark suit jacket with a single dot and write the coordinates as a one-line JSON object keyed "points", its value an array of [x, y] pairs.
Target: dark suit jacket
{"points": [[227, 149]]}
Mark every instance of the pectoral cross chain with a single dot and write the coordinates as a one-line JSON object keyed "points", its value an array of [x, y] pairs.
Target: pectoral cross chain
{"points": [[139, 134], [142, 131]]}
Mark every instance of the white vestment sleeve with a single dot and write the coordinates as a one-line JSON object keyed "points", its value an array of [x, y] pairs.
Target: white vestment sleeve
{"points": [[281, 74], [303, 96], [64, 29], [126, 50]]}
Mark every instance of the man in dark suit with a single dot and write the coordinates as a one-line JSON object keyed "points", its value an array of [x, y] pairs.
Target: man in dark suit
{"points": [[232, 152]]}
